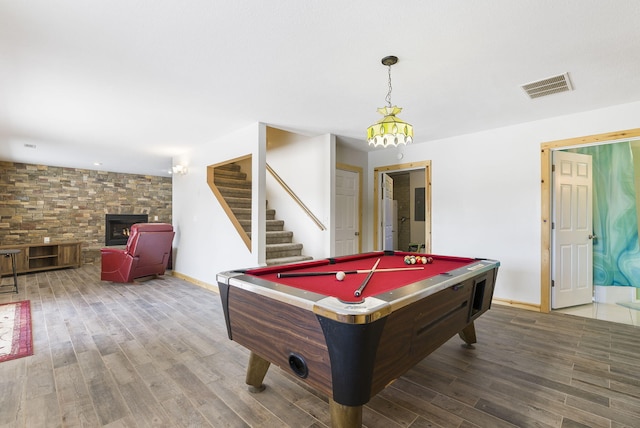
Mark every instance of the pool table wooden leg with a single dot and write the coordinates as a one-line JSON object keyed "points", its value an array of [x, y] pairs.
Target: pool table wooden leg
{"points": [[345, 416], [468, 334], [256, 371]]}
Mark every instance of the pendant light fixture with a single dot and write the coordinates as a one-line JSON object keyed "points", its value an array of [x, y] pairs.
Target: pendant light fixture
{"points": [[390, 130]]}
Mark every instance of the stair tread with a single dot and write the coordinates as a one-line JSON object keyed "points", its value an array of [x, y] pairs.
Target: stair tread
{"points": [[233, 183], [287, 260], [228, 166], [235, 191], [248, 210], [229, 174], [284, 245], [236, 199], [279, 232], [276, 233]]}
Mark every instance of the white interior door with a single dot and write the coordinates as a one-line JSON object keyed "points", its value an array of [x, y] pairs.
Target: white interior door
{"points": [[387, 212], [572, 230], [347, 212]]}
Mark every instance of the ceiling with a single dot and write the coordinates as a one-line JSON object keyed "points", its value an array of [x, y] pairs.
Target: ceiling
{"points": [[129, 84]]}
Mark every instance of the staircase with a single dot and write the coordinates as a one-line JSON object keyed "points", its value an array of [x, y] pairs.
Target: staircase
{"points": [[236, 191]]}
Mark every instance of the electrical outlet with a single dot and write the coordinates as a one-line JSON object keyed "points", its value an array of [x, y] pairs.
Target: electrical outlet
{"points": [[46, 240], [155, 218]]}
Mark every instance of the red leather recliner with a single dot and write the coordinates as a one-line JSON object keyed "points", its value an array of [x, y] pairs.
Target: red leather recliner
{"points": [[147, 253]]}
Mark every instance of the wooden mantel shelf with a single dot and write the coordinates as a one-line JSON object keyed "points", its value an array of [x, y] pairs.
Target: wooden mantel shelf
{"points": [[39, 257]]}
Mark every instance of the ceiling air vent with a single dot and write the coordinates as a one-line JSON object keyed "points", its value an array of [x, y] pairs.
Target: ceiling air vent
{"points": [[548, 86]]}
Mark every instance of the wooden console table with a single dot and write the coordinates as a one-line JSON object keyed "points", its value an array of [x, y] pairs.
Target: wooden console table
{"points": [[39, 257]]}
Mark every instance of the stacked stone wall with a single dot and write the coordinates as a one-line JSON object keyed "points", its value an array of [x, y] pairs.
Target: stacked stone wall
{"points": [[69, 204]]}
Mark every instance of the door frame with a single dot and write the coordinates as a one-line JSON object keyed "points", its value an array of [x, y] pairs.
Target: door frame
{"points": [[426, 165], [358, 170], [546, 201]]}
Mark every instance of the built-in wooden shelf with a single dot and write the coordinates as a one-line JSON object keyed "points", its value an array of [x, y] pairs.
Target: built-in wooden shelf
{"points": [[39, 257]]}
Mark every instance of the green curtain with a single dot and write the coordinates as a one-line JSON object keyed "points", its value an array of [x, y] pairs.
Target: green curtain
{"points": [[616, 253]]}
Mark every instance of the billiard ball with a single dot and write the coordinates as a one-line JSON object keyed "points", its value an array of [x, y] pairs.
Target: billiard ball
{"points": [[340, 276]]}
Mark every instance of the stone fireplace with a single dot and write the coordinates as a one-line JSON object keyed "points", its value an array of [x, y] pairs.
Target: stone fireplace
{"points": [[117, 227]]}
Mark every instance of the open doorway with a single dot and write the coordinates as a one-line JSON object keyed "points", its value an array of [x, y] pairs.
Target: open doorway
{"points": [[409, 210], [548, 202]]}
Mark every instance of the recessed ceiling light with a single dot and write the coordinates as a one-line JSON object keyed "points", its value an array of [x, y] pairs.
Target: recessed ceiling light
{"points": [[97, 163]]}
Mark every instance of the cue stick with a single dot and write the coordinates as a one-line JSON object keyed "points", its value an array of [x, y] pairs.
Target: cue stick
{"points": [[358, 292], [295, 274]]}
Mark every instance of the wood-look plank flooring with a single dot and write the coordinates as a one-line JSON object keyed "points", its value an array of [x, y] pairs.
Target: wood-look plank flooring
{"points": [[157, 354]]}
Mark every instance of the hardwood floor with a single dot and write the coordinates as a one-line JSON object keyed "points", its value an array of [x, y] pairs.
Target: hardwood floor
{"points": [[157, 354]]}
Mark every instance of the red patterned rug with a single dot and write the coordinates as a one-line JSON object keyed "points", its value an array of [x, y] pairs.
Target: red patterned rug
{"points": [[15, 330]]}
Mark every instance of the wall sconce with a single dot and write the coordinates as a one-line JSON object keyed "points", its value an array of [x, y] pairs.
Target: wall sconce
{"points": [[179, 170]]}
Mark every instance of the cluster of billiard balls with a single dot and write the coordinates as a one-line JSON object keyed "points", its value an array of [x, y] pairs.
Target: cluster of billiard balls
{"points": [[412, 260]]}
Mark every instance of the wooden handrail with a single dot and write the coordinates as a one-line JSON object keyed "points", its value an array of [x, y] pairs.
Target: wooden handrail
{"points": [[295, 198]]}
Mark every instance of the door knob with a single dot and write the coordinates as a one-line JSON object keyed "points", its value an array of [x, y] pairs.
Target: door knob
{"points": [[593, 237]]}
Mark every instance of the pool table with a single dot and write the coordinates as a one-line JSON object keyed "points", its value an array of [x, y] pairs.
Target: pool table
{"points": [[351, 345]]}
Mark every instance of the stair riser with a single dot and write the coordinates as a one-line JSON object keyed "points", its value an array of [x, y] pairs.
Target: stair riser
{"points": [[287, 260], [245, 213], [272, 225], [235, 193], [228, 167], [279, 239], [279, 254], [224, 173], [283, 250], [275, 225], [229, 182], [231, 175], [238, 203]]}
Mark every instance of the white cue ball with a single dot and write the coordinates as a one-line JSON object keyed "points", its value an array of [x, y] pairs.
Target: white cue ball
{"points": [[340, 276]]}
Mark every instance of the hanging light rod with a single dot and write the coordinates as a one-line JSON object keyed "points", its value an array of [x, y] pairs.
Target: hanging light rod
{"points": [[390, 130]]}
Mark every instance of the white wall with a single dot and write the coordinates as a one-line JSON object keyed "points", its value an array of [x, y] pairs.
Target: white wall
{"points": [[486, 191], [206, 242], [307, 166]]}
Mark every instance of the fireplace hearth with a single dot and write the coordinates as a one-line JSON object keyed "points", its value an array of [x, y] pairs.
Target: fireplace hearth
{"points": [[117, 227]]}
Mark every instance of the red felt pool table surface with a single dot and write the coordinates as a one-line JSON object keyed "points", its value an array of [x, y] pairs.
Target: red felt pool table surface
{"points": [[380, 281]]}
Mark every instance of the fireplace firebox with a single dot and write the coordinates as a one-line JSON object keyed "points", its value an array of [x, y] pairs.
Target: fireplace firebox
{"points": [[117, 227]]}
